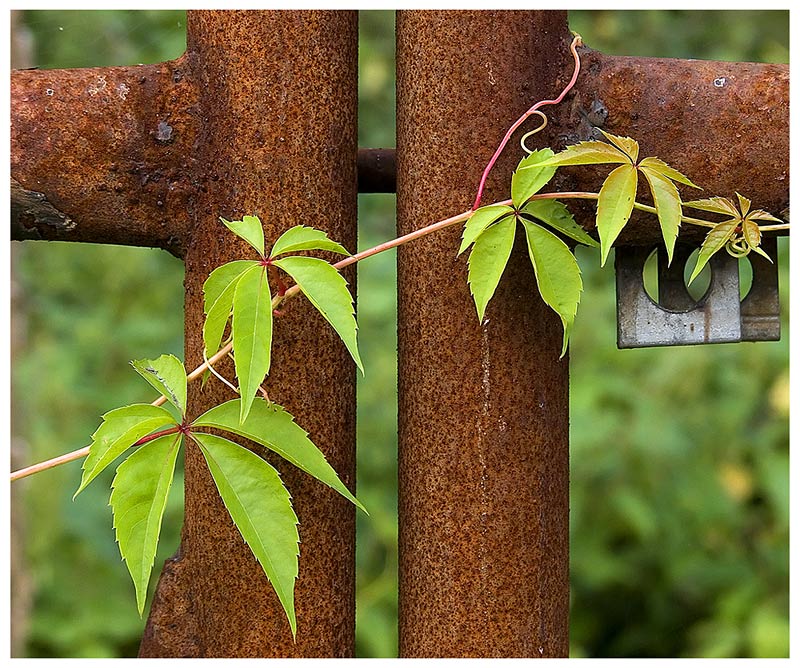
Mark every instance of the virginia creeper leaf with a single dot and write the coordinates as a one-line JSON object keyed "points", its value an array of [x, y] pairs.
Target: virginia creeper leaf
{"points": [[261, 509], [760, 214], [557, 216], [661, 167], [587, 153], [715, 205], [479, 221], [614, 206], [751, 233], [248, 228], [488, 260], [219, 289], [667, 201], [301, 238], [530, 178], [327, 290], [252, 333], [120, 429], [715, 240], [274, 428], [557, 274], [167, 375], [744, 204], [138, 498], [625, 144]]}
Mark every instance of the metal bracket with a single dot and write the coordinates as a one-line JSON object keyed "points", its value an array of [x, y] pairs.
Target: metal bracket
{"points": [[719, 317]]}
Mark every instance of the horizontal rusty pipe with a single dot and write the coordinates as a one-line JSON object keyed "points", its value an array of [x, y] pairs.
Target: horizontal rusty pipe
{"points": [[725, 125]]}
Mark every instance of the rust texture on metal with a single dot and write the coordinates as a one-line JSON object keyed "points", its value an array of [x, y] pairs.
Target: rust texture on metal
{"points": [[279, 102], [483, 409], [104, 154], [725, 125]]}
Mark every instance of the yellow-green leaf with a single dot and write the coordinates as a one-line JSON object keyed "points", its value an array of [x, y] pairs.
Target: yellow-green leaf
{"points": [[661, 167], [248, 228], [219, 289], [252, 333], [479, 221], [744, 204], [715, 205], [167, 375], [530, 177], [556, 215], [261, 509], [300, 238], [488, 259], [751, 233], [715, 241], [326, 289], [614, 206], [587, 153], [667, 201], [274, 428], [557, 274], [625, 144], [138, 499], [760, 214]]}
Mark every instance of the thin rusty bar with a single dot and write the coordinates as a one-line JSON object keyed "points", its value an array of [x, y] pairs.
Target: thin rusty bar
{"points": [[483, 409], [279, 141]]}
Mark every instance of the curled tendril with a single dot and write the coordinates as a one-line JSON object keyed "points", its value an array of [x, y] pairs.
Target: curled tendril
{"points": [[533, 132], [737, 247]]}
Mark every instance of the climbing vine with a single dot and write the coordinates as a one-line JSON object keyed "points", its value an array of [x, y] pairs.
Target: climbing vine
{"points": [[241, 296]]}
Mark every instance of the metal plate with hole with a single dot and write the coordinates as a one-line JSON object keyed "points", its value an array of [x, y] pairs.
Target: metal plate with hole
{"points": [[677, 319]]}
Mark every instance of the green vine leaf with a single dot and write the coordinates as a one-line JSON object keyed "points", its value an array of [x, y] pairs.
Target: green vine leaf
{"points": [[327, 290], [530, 177], [218, 291], [261, 509], [488, 259], [167, 375], [660, 167], [120, 429], [627, 145], [587, 153], [248, 228], [479, 221], [715, 241], [300, 238], [667, 201], [252, 333], [614, 206], [557, 274], [138, 499], [274, 428], [556, 215], [720, 205]]}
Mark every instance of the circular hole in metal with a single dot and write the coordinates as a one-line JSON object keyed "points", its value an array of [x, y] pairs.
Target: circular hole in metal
{"points": [[745, 277], [650, 276], [699, 287]]}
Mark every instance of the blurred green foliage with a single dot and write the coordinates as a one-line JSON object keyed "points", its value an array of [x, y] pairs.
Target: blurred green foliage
{"points": [[679, 456]]}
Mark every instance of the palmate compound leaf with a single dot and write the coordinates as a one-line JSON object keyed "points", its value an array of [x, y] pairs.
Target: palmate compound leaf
{"points": [[327, 290], [488, 259], [556, 215], [530, 178], [120, 429], [261, 509], [218, 291], [274, 428], [167, 375], [557, 274], [252, 333], [588, 153], [300, 238], [667, 201], [715, 241], [614, 206], [248, 228], [138, 499], [480, 220]]}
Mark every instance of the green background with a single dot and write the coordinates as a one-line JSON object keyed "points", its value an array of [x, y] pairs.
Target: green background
{"points": [[679, 520]]}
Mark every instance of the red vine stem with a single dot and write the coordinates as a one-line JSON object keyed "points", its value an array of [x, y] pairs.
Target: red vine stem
{"points": [[576, 42]]}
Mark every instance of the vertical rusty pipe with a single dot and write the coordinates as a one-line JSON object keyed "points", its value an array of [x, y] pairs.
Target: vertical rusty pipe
{"points": [[483, 413], [278, 98]]}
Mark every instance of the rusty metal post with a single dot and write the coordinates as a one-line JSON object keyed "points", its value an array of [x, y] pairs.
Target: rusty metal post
{"points": [[278, 98], [483, 414]]}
